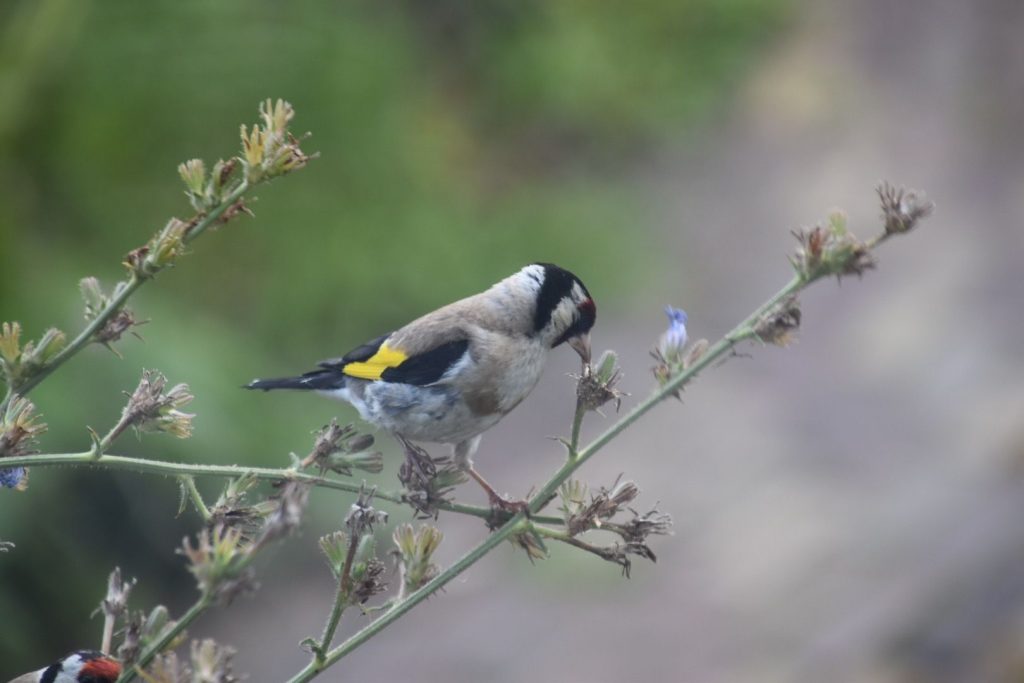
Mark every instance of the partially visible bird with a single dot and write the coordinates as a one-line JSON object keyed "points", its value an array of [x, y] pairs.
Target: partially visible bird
{"points": [[83, 666], [452, 374]]}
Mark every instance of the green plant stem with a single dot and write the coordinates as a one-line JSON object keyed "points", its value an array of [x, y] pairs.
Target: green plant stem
{"points": [[340, 602], [85, 337], [189, 482], [147, 466], [577, 425], [398, 609], [564, 537], [341, 598], [167, 637]]}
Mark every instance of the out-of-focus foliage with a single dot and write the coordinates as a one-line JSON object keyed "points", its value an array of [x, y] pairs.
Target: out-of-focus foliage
{"points": [[459, 141]]}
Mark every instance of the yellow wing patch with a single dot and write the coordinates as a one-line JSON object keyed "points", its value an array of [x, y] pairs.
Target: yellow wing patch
{"points": [[374, 366]]}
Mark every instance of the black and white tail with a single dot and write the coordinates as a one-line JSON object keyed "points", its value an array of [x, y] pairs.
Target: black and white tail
{"points": [[317, 380]]}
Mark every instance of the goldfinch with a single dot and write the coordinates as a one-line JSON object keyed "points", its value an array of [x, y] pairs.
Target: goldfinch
{"points": [[452, 374], [83, 666]]}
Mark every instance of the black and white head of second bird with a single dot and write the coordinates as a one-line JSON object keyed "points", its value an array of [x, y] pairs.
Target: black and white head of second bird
{"points": [[83, 666], [452, 374]]}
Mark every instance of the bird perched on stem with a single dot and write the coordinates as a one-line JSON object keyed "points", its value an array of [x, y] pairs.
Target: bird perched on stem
{"points": [[83, 666], [452, 374]]}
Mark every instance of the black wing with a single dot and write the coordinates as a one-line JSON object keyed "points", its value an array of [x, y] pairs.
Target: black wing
{"points": [[427, 367], [424, 368]]}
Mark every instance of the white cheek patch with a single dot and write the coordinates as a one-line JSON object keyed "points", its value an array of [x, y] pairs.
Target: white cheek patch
{"points": [[578, 295], [563, 316], [69, 672]]}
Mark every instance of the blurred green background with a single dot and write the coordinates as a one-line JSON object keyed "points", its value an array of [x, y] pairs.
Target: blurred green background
{"points": [[459, 140]]}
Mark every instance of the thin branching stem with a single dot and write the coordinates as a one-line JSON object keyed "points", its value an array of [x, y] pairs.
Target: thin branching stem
{"points": [[577, 425], [85, 337], [341, 599], [147, 466], [189, 483]]}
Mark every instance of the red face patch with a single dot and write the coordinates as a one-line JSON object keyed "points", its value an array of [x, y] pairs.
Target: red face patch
{"points": [[101, 670]]}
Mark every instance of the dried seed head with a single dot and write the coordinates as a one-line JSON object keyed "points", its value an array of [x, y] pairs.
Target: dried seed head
{"points": [[232, 510], [428, 481], [115, 604], [153, 408], [96, 302], [902, 209], [831, 250], [211, 663], [286, 517], [779, 325], [362, 516], [216, 563], [595, 388], [603, 505], [20, 426], [367, 573], [165, 668], [415, 550]]}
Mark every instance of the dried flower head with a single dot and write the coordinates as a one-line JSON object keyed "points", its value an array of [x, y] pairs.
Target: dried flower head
{"points": [[165, 668], [531, 542], [596, 387], [115, 604], [779, 325], [640, 526], [415, 550], [367, 574], [581, 516], [123, 320], [154, 408], [362, 516], [286, 517], [232, 510], [211, 663], [19, 428], [218, 563], [343, 450], [428, 481], [902, 209], [831, 250]]}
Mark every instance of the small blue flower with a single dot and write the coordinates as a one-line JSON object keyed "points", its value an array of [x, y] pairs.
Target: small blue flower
{"points": [[13, 478], [676, 334]]}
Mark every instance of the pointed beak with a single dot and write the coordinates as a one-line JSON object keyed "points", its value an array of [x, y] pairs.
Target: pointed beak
{"points": [[581, 345]]}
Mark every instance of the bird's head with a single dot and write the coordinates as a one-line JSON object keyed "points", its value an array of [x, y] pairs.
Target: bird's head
{"points": [[83, 666], [564, 310]]}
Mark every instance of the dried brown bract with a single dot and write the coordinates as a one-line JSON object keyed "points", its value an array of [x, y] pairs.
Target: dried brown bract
{"points": [[779, 325]]}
